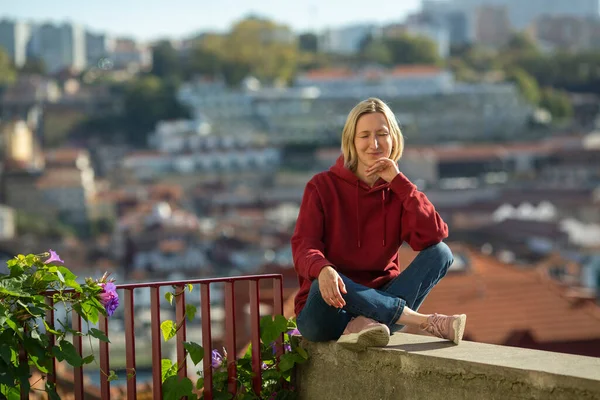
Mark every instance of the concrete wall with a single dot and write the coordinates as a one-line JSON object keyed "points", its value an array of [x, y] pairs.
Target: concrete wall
{"points": [[421, 367]]}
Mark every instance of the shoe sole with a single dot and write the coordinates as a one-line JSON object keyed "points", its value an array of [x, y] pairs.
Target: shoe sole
{"points": [[372, 337], [459, 328]]}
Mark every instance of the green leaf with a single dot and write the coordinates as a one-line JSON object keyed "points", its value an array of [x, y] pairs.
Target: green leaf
{"points": [[98, 334], [195, 351], [167, 368], [73, 283], [200, 383], [66, 351], [174, 388], [112, 376], [271, 329], [89, 359], [5, 353], [168, 329], [190, 287], [169, 297], [60, 276], [286, 362], [190, 311], [302, 352], [50, 330]]}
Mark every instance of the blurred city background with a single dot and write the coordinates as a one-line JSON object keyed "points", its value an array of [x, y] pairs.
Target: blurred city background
{"points": [[174, 142]]}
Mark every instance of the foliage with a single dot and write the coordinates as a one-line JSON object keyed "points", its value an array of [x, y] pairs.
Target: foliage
{"points": [[146, 101], [276, 373], [22, 324], [526, 83], [7, 70], [43, 227], [557, 102]]}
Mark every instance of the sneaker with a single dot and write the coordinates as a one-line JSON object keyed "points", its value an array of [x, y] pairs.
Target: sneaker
{"points": [[451, 327], [362, 332]]}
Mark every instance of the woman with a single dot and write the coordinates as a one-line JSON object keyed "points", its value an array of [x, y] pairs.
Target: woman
{"points": [[352, 220]]}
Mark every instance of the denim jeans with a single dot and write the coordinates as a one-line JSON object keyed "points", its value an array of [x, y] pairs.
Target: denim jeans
{"points": [[320, 322]]}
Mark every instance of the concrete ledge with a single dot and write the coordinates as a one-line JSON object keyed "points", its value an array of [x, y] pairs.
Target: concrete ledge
{"points": [[422, 367]]}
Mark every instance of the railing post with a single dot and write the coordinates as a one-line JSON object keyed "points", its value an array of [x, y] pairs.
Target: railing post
{"points": [[230, 333], [181, 330], [104, 364], [156, 351], [130, 344], [77, 371], [278, 310], [255, 328], [206, 340], [51, 339]]}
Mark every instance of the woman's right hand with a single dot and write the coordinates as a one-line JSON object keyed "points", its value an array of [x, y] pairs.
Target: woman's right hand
{"points": [[332, 287]]}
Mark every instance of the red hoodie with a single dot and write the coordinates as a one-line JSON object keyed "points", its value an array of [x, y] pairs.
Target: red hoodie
{"points": [[357, 229]]}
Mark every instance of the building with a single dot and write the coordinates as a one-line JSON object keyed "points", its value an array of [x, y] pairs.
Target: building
{"points": [[97, 47], [59, 46], [129, 54], [571, 33], [14, 37], [458, 22], [346, 40], [7, 223], [522, 14], [492, 26]]}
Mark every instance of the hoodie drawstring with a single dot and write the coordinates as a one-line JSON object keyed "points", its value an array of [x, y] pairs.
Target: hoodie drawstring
{"points": [[357, 216], [383, 213]]}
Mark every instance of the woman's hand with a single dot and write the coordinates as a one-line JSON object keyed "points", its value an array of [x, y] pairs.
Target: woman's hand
{"points": [[384, 168], [332, 287]]}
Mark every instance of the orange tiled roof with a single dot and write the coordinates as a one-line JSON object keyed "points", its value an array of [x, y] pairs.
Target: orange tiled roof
{"points": [[328, 73], [405, 70]]}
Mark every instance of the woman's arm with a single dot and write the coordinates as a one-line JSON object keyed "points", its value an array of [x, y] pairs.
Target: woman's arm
{"points": [[307, 241], [421, 226]]}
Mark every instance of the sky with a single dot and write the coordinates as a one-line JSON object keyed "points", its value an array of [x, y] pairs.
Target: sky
{"points": [[152, 19]]}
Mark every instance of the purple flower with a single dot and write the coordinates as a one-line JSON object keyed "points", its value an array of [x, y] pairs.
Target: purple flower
{"points": [[54, 258], [294, 332], [109, 297], [287, 347], [217, 359], [264, 366]]}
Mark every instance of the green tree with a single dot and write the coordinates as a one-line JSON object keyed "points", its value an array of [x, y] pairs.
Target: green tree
{"points": [[408, 49], [165, 60], [147, 101], [33, 65], [308, 42], [7, 70], [522, 43], [526, 83], [557, 102], [377, 51]]}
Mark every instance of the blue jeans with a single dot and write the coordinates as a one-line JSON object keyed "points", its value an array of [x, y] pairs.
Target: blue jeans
{"points": [[320, 322]]}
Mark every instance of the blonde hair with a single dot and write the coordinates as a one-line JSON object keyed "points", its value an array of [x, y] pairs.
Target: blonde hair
{"points": [[368, 106]]}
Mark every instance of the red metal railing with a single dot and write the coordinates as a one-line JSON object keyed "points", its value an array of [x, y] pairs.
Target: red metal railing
{"points": [[180, 308]]}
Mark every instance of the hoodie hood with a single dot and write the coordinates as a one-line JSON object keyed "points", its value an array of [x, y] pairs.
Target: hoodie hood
{"points": [[362, 189]]}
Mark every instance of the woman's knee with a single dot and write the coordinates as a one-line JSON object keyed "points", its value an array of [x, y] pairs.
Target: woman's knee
{"points": [[442, 253]]}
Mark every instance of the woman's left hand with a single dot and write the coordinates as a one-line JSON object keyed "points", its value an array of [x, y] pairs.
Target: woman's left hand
{"points": [[385, 168]]}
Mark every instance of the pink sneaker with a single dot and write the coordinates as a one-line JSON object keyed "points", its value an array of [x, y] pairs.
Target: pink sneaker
{"points": [[362, 332], [451, 327]]}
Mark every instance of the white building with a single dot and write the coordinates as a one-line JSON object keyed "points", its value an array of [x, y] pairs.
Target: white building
{"points": [[346, 40], [60, 46], [14, 36], [97, 46], [7, 223], [523, 13], [129, 54]]}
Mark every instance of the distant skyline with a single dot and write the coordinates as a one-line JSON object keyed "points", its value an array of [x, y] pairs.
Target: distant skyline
{"points": [[153, 19]]}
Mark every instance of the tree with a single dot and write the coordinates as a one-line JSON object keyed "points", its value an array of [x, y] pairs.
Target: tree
{"points": [[33, 65], [377, 51], [521, 43], [526, 83], [557, 102], [165, 60], [7, 71], [308, 42], [408, 49], [147, 101]]}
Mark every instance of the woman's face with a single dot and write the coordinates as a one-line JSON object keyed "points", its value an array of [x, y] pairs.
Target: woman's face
{"points": [[373, 139]]}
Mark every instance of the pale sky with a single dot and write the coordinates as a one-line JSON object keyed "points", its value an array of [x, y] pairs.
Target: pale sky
{"points": [[151, 19]]}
